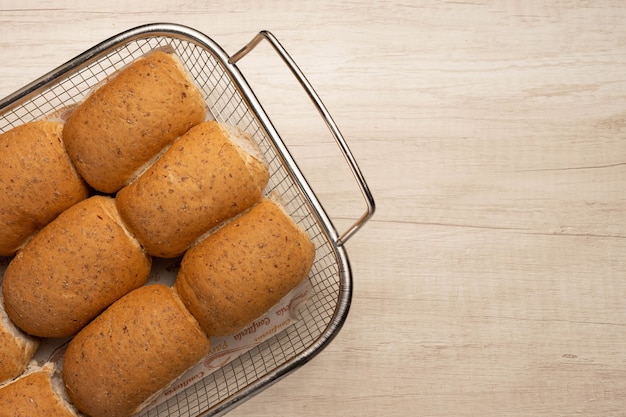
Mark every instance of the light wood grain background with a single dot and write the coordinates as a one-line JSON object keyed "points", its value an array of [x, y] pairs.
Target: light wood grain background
{"points": [[491, 280]]}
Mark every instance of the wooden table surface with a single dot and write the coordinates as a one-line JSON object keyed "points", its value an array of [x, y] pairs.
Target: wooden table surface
{"points": [[490, 281]]}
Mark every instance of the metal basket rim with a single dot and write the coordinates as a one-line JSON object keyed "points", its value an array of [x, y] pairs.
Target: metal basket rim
{"points": [[189, 34]]}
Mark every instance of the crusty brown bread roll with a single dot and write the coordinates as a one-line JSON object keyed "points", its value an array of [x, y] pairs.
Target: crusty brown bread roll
{"points": [[240, 271], [73, 269], [131, 351], [16, 348], [37, 181], [39, 392], [126, 122], [208, 175]]}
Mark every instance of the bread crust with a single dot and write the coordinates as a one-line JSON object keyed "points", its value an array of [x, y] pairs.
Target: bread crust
{"points": [[34, 395], [126, 122], [204, 178], [73, 269], [239, 272], [16, 348], [37, 181], [135, 348]]}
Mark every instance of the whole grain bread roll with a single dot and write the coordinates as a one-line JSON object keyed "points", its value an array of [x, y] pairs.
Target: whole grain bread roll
{"points": [[73, 269], [210, 174], [240, 271], [39, 392], [131, 351], [127, 121], [37, 181], [16, 348]]}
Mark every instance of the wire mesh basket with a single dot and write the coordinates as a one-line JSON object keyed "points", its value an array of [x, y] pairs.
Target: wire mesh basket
{"points": [[230, 100]]}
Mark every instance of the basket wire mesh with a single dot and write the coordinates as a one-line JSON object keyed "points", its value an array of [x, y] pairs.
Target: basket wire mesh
{"points": [[324, 312]]}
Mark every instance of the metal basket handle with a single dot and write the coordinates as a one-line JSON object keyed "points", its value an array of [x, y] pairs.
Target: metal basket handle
{"points": [[343, 146]]}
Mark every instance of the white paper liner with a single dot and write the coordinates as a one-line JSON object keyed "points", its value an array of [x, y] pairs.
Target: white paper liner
{"points": [[227, 348]]}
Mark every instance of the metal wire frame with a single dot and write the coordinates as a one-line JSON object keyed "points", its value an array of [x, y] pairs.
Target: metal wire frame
{"points": [[230, 100]]}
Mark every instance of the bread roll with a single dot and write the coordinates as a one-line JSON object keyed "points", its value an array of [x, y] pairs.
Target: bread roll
{"points": [[38, 393], [126, 122], [131, 351], [37, 181], [240, 271], [208, 175], [16, 348], [73, 269]]}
